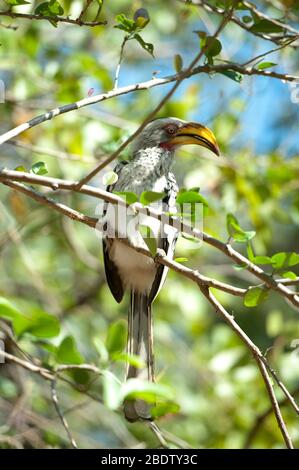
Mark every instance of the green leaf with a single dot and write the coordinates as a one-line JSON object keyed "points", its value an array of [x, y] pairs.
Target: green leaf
{"points": [[254, 296], [240, 267], [112, 396], [213, 47], [266, 26], [34, 320], [148, 391], [247, 19], [68, 353], [236, 76], [189, 197], [141, 18], [284, 260], [180, 260], [236, 232], [51, 348], [131, 359], [265, 65], [116, 337], [51, 8], [128, 196], [261, 260], [148, 238], [289, 275], [147, 197], [43, 325], [17, 2], [257, 259], [178, 62], [125, 23], [147, 46], [39, 168], [110, 178], [101, 349], [162, 409], [21, 168]]}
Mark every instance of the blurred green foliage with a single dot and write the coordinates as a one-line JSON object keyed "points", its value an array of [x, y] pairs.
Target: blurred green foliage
{"points": [[53, 291]]}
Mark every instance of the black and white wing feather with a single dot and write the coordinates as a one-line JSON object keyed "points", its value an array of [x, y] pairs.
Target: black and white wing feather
{"points": [[167, 244], [112, 275]]}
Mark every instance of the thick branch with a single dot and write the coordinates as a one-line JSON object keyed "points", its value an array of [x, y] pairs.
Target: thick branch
{"points": [[6, 176]]}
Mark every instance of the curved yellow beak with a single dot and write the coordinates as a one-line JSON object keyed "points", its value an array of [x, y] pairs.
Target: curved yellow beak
{"points": [[194, 133]]}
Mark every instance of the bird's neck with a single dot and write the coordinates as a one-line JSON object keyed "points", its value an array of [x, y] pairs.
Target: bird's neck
{"points": [[154, 160]]}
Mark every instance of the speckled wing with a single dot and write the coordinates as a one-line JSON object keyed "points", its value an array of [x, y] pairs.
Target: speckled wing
{"points": [[113, 278], [165, 243]]}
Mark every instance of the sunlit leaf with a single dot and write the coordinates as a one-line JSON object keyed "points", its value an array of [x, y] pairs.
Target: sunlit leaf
{"points": [[39, 168], [178, 62], [265, 65], [68, 353], [116, 337], [254, 296], [147, 197], [284, 260], [128, 196], [236, 232]]}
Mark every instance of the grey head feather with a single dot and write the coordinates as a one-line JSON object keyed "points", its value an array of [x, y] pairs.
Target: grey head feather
{"points": [[154, 134]]}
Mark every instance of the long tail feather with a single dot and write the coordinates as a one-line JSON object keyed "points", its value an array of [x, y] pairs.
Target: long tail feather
{"points": [[140, 343]]}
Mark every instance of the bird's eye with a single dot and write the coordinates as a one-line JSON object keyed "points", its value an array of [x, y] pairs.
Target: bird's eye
{"points": [[171, 129]]}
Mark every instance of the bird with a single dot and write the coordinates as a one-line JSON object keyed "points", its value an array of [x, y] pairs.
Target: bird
{"points": [[149, 169]]}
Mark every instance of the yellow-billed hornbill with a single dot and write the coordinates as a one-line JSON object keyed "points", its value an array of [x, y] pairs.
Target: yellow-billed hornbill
{"points": [[148, 170]]}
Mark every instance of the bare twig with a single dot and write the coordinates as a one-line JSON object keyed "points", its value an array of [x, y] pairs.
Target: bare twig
{"points": [[56, 19], [262, 417], [61, 415], [159, 434], [52, 153], [121, 54]]}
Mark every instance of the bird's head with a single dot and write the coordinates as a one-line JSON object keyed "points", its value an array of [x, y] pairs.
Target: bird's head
{"points": [[170, 133]]}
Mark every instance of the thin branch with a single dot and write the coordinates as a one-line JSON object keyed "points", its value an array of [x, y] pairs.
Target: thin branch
{"points": [[271, 51], [61, 415], [8, 26], [121, 54], [56, 19], [52, 153], [159, 434], [259, 358]]}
